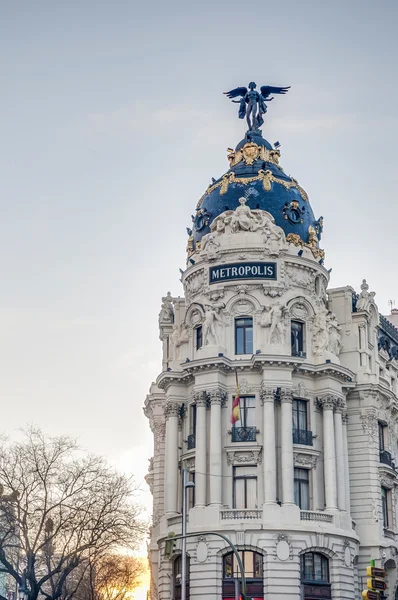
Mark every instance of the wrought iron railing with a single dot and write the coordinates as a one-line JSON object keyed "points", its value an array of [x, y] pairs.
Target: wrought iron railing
{"points": [[386, 458], [191, 441], [242, 513], [312, 515], [244, 434], [299, 353], [302, 436]]}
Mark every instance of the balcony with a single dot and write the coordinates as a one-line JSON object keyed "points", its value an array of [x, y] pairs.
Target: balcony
{"points": [[312, 515], [302, 436], [386, 458], [191, 441], [244, 434], [242, 513]]}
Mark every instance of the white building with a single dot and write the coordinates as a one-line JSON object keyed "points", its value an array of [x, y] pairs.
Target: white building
{"points": [[304, 482]]}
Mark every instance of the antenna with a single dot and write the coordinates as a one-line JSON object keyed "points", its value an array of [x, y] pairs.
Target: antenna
{"points": [[391, 304]]}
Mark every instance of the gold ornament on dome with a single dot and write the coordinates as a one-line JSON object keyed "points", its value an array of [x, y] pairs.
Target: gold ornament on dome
{"points": [[251, 152], [294, 238], [265, 177]]}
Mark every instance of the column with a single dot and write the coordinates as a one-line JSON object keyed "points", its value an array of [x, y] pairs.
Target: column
{"points": [[329, 451], [171, 459], [217, 397], [338, 432], [287, 447], [346, 466], [200, 453], [269, 444]]}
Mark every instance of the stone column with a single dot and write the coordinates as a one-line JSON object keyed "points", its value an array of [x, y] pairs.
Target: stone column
{"points": [[217, 399], [346, 466], [172, 412], [339, 440], [329, 451], [287, 446], [200, 453], [269, 444]]}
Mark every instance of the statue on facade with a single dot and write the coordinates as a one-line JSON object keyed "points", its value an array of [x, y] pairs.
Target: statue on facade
{"points": [[252, 103], [166, 314], [210, 245], [179, 337], [212, 316], [272, 320], [334, 343], [365, 297], [320, 334], [245, 220]]}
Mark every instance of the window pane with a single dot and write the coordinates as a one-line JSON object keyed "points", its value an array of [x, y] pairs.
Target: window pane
{"points": [[308, 566], [228, 566], [258, 565], [248, 563], [239, 341], [249, 340], [198, 337], [317, 568], [239, 493], [251, 493]]}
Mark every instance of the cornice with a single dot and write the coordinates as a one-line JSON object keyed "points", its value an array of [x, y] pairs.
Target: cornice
{"points": [[329, 370]]}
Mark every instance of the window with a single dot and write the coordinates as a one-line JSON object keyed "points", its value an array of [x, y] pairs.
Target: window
{"points": [[253, 566], [199, 337], [314, 568], [302, 488], [192, 427], [301, 433], [244, 429], [247, 407], [244, 336], [245, 487], [297, 338], [300, 417], [177, 578], [191, 491], [382, 438], [386, 506]]}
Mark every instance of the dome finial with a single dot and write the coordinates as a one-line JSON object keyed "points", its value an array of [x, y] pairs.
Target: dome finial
{"points": [[252, 103]]}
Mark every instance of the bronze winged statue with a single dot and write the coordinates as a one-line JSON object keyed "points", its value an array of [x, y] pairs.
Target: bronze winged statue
{"points": [[253, 103]]}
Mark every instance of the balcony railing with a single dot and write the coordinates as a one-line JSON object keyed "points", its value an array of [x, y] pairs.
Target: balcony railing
{"points": [[386, 458], [244, 434], [312, 515], [302, 436], [243, 513], [299, 353], [191, 441]]}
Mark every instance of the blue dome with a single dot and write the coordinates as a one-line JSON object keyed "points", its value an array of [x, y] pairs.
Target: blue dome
{"points": [[255, 173]]}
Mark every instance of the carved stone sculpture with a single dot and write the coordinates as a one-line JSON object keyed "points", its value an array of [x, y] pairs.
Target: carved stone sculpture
{"points": [[212, 316], [365, 297], [179, 337], [211, 246], [273, 319], [243, 219], [320, 335], [334, 344], [166, 314]]}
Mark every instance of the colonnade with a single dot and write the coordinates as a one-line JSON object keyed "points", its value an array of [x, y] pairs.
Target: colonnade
{"points": [[334, 447]]}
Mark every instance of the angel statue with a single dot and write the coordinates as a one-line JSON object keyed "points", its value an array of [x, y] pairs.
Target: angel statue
{"points": [[253, 103]]}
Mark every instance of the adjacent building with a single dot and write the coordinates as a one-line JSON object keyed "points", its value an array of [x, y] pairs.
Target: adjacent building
{"points": [[304, 482]]}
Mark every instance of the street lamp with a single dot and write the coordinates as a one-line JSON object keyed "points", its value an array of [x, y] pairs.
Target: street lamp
{"points": [[185, 486], [23, 591]]}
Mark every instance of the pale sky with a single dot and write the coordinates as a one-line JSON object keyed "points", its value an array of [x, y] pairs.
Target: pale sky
{"points": [[112, 123]]}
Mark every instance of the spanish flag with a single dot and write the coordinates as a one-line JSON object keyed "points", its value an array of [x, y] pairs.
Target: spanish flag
{"points": [[235, 416]]}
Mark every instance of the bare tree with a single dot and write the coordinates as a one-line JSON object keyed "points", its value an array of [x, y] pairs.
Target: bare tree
{"points": [[58, 508], [106, 577]]}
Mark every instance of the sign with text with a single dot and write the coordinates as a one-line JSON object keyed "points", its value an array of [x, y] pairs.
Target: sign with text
{"points": [[247, 270]]}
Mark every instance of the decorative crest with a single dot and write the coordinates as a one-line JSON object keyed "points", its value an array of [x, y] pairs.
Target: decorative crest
{"points": [[252, 103]]}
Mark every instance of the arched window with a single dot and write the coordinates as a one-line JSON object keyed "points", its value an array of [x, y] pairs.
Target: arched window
{"points": [[253, 566], [315, 576], [297, 335], [177, 578]]}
